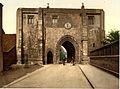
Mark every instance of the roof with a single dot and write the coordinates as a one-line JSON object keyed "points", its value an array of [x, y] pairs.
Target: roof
{"points": [[9, 42], [57, 10]]}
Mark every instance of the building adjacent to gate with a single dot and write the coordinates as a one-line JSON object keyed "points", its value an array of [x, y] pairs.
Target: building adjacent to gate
{"points": [[9, 50], [7, 46], [41, 32], [1, 32]]}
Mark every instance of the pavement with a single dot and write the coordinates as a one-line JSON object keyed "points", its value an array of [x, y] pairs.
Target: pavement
{"points": [[68, 76], [53, 76], [99, 78]]}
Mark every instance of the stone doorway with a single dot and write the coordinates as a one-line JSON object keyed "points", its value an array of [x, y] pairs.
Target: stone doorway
{"points": [[71, 45], [70, 50], [49, 57]]}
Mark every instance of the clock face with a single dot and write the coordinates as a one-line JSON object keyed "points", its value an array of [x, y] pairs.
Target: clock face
{"points": [[68, 25]]}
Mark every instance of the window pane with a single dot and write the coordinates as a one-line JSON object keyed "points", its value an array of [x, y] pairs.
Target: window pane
{"points": [[54, 19], [30, 19], [91, 20]]}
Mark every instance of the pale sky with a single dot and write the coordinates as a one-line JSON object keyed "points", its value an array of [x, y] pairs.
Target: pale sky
{"points": [[111, 8]]}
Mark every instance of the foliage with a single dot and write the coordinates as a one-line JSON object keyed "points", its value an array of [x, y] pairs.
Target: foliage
{"points": [[111, 37]]}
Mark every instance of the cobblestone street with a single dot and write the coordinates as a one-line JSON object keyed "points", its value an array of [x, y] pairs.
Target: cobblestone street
{"points": [[54, 76]]}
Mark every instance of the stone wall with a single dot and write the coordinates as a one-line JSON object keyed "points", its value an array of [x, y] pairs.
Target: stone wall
{"points": [[57, 34], [51, 27], [96, 32], [29, 37]]}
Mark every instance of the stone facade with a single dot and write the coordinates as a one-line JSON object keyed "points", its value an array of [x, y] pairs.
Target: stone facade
{"points": [[1, 53], [41, 32]]}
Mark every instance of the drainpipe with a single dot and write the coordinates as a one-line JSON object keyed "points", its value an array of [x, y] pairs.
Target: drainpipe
{"points": [[22, 50], [43, 38]]}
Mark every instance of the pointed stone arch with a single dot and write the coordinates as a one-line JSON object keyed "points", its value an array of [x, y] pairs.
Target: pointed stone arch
{"points": [[49, 57], [73, 41]]}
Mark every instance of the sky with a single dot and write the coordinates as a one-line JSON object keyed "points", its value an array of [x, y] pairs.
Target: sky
{"points": [[111, 8]]}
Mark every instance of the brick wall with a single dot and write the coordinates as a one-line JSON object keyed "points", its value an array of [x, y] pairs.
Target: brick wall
{"points": [[9, 58], [9, 50], [106, 57]]}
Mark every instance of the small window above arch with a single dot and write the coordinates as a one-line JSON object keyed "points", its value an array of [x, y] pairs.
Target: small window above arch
{"points": [[54, 19]]}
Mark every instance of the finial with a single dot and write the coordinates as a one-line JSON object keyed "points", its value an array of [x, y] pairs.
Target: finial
{"points": [[47, 5], [82, 4], [82, 7]]}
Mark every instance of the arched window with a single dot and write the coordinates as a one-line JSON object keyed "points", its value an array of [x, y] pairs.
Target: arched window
{"points": [[49, 57]]}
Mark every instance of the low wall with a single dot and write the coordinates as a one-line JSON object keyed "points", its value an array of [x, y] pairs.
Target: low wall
{"points": [[110, 63], [106, 58]]}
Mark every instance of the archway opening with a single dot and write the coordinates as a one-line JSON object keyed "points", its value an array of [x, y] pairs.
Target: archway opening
{"points": [[49, 57], [70, 50]]}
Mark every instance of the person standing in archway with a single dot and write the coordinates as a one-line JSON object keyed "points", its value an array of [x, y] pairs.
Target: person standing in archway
{"points": [[73, 60]]}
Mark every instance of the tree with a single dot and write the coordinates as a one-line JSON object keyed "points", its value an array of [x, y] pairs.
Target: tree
{"points": [[111, 37]]}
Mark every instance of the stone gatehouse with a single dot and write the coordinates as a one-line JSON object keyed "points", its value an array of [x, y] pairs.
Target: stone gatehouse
{"points": [[41, 32]]}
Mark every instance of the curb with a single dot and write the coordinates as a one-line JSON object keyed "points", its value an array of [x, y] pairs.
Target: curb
{"points": [[91, 84], [107, 70]]}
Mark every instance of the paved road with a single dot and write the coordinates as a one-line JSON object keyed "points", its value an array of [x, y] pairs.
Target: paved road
{"points": [[55, 76]]}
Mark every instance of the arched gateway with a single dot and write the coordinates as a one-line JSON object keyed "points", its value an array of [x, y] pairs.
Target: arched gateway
{"points": [[69, 43]]}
